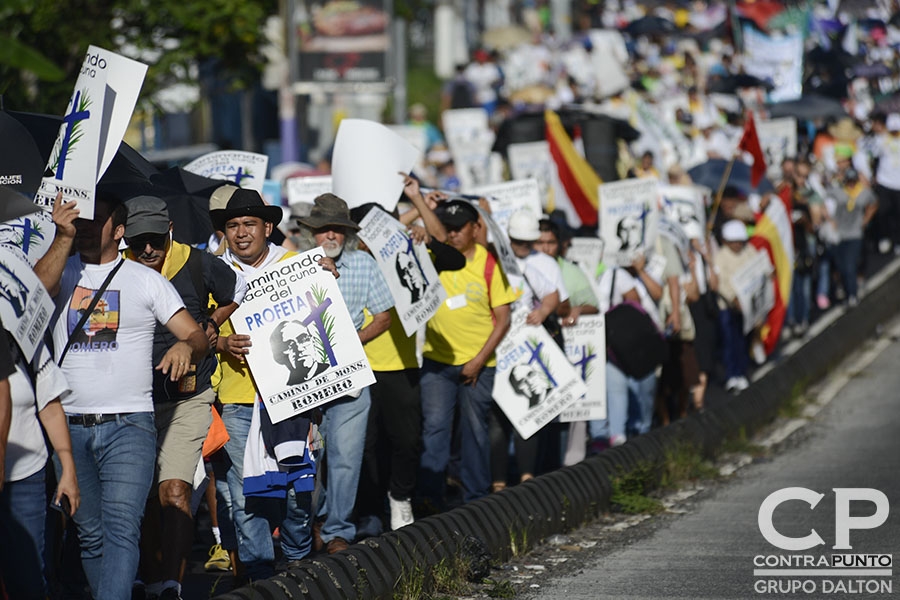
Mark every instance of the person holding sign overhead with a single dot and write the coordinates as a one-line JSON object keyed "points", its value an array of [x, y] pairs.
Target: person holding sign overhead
{"points": [[344, 426], [111, 425], [459, 360]]}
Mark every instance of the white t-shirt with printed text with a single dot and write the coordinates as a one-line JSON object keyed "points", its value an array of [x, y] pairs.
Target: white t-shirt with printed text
{"points": [[110, 362], [544, 278]]}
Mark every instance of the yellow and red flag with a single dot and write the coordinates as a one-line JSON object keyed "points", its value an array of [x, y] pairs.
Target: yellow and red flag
{"points": [[774, 234], [579, 180]]}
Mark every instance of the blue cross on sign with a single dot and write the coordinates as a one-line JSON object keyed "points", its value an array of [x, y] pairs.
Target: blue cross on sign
{"points": [[536, 357], [316, 315], [239, 175], [27, 232], [69, 121], [584, 361]]}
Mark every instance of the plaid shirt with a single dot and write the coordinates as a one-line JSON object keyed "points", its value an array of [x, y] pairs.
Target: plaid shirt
{"points": [[362, 285]]}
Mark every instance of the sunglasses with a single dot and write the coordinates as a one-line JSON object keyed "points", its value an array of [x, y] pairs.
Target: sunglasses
{"points": [[156, 240]]}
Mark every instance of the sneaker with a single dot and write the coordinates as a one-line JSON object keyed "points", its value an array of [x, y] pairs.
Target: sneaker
{"points": [[853, 301], [401, 512], [218, 559], [617, 440], [742, 383], [170, 593], [822, 302], [731, 386], [884, 246], [758, 352]]}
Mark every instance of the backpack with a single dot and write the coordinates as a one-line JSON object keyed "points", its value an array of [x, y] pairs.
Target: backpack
{"points": [[461, 95], [633, 341]]}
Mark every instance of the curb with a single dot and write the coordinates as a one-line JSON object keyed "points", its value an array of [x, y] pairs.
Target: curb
{"points": [[563, 499]]}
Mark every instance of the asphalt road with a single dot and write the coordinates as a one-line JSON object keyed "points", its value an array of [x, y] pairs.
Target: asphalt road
{"points": [[854, 442]]}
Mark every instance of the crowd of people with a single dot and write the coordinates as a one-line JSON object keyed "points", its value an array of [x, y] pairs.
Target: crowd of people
{"points": [[143, 390]]}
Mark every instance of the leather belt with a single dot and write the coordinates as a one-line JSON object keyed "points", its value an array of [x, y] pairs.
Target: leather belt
{"points": [[91, 420]]}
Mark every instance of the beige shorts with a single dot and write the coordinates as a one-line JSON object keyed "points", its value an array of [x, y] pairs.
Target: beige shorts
{"points": [[181, 430]]}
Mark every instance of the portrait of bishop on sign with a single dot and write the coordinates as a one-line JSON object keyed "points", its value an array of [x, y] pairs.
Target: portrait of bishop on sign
{"points": [[294, 346]]}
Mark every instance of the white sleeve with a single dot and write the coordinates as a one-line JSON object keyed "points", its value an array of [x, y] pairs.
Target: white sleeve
{"points": [[165, 300], [554, 273], [240, 287], [50, 382]]}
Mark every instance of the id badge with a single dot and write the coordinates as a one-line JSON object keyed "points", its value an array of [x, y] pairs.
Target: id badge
{"points": [[456, 302]]}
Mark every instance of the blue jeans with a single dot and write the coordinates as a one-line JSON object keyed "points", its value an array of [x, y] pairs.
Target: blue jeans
{"points": [[23, 508], [115, 463], [734, 343], [846, 257], [801, 298], [823, 285], [616, 406], [344, 428], [255, 518], [441, 389], [641, 402]]}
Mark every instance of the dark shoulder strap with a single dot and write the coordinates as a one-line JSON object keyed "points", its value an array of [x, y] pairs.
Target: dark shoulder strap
{"points": [[612, 287], [195, 268], [90, 309]]}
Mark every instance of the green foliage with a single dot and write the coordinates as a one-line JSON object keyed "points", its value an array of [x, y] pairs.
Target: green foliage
{"points": [[449, 577], [630, 490], [500, 589], [739, 444], [171, 36], [684, 462], [410, 585], [84, 102], [320, 295]]}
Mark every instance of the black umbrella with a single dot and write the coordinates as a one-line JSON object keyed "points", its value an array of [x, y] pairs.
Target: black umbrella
{"points": [[21, 164], [710, 175], [731, 83], [14, 204], [809, 107], [650, 26]]}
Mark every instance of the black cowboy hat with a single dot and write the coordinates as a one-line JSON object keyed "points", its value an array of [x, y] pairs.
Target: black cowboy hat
{"points": [[245, 203], [328, 209]]}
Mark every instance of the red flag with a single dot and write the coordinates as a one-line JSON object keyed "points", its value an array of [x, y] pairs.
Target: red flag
{"points": [[750, 143]]}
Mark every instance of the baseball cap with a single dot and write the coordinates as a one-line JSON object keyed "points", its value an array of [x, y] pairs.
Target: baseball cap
{"points": [[456, 213], [146, 214], [734, 231]]}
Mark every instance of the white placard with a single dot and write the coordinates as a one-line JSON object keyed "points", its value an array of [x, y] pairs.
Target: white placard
{"points": [[474, 163], [498, 237], [407, 268], [25, 305], [532, 160], [685, 203], [508, 197], [464, 123], [367, 161], [674, 232], [306, 351], [417, 138], [586, 349], [629, 214], [75, 158], [534, 380], [755, 290], [240, 168], [777, 58], [123, 81], [30, 235], [304, 190], [778, 139], [586, 252]]}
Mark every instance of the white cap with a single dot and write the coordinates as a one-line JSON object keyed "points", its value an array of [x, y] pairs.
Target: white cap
{"points": [[523, 225], [893, 122], [734, 231]]}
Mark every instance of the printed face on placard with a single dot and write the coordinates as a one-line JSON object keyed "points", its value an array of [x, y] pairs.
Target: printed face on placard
{"points": [[12, 288], [527, 381], [294, 345], [411, 276], [629, 233]]}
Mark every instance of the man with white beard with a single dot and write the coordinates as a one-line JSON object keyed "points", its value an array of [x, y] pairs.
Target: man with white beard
{"points": [[344, 426]]}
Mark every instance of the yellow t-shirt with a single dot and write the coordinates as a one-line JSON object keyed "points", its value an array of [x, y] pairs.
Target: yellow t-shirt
{"points": [[235, 386], [393, 350], [455, 336]]}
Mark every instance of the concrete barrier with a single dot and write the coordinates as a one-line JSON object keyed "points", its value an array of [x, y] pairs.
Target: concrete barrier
{"points": [[562, 500]]}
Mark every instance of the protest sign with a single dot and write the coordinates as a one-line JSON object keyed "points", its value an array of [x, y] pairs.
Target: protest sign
{"points": [[586, 349], [25, 305], [367, 161], [498, 237], [464, 123], [243, 169], [532, 160], [778, 138], [306, 351], [534, 381], [629, 215], [407, 268], [755, 290], [779, 59], [30, 236], [73, 165], [508, 197], [674, 232], [470, 140], [123, 84], [685, 203], [587, 253], [417, 137], [304, 190]]}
